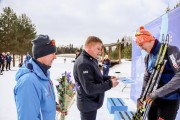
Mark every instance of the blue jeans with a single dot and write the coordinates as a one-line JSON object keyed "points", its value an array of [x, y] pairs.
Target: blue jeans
{"points": [[105, 71]]}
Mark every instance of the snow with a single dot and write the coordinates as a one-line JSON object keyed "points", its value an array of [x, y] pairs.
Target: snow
{"points": [[7, 83]]}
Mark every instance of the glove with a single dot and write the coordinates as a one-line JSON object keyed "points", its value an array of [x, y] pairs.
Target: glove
{"points": [[149, 99], [139, 103]]}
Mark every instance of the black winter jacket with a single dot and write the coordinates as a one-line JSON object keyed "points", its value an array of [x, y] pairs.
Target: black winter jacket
{"points": [[1, 59], [90, 96]]}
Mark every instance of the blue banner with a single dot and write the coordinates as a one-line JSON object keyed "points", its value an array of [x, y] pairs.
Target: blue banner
{"points": [[166, 24]]}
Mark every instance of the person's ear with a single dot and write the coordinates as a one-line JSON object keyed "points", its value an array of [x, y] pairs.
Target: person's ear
{"points": [[90, 46]]}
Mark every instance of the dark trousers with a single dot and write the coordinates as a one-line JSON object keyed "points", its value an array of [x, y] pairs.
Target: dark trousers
{"points": [[2, 67], [166, 109], [8, 64], [88, 115]]}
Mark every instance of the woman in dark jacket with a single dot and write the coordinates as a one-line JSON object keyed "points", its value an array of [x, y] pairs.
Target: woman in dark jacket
{"points": [[106, 65]]}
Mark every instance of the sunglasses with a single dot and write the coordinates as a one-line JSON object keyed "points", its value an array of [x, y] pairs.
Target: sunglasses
{"points": [[138, 34]]}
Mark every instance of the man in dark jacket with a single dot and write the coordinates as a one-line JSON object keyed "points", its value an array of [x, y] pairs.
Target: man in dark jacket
{"points": [[3, 61], [8, 61], [165, 100], [90, 96]]}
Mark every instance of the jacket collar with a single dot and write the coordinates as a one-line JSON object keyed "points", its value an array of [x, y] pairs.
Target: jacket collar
{"points": [[156, 47], [39, 72], [34, 68], [88, 55], [43, 67]]}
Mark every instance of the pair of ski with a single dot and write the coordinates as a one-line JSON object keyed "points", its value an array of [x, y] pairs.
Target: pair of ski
{"points": [[153, 81]]}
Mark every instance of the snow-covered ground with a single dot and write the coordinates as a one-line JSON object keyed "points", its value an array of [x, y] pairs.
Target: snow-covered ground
{"points": [[7, 83]]}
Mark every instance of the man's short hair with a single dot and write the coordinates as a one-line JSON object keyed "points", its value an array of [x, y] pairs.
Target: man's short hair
{"points": [[93, 39]]}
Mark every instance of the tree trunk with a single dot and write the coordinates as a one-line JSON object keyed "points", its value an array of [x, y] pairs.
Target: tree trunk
{"points": [[13, 60], [21, 58]]}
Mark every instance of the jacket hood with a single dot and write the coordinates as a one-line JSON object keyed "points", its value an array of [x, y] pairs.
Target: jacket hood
{"points": [[36, 69]]}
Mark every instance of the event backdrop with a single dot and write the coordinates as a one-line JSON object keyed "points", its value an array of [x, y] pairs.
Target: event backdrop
{"points": [[167, 23]]}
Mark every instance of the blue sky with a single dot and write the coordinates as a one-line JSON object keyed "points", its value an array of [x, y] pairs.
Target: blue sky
{"points": [[72, 21]]}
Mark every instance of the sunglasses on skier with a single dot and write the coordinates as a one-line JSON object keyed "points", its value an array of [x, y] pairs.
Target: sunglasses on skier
{"points": [[139, 33]]}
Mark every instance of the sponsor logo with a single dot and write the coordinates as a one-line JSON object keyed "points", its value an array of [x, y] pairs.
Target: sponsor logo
{"points": [[84, 72], [175, 65]]}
